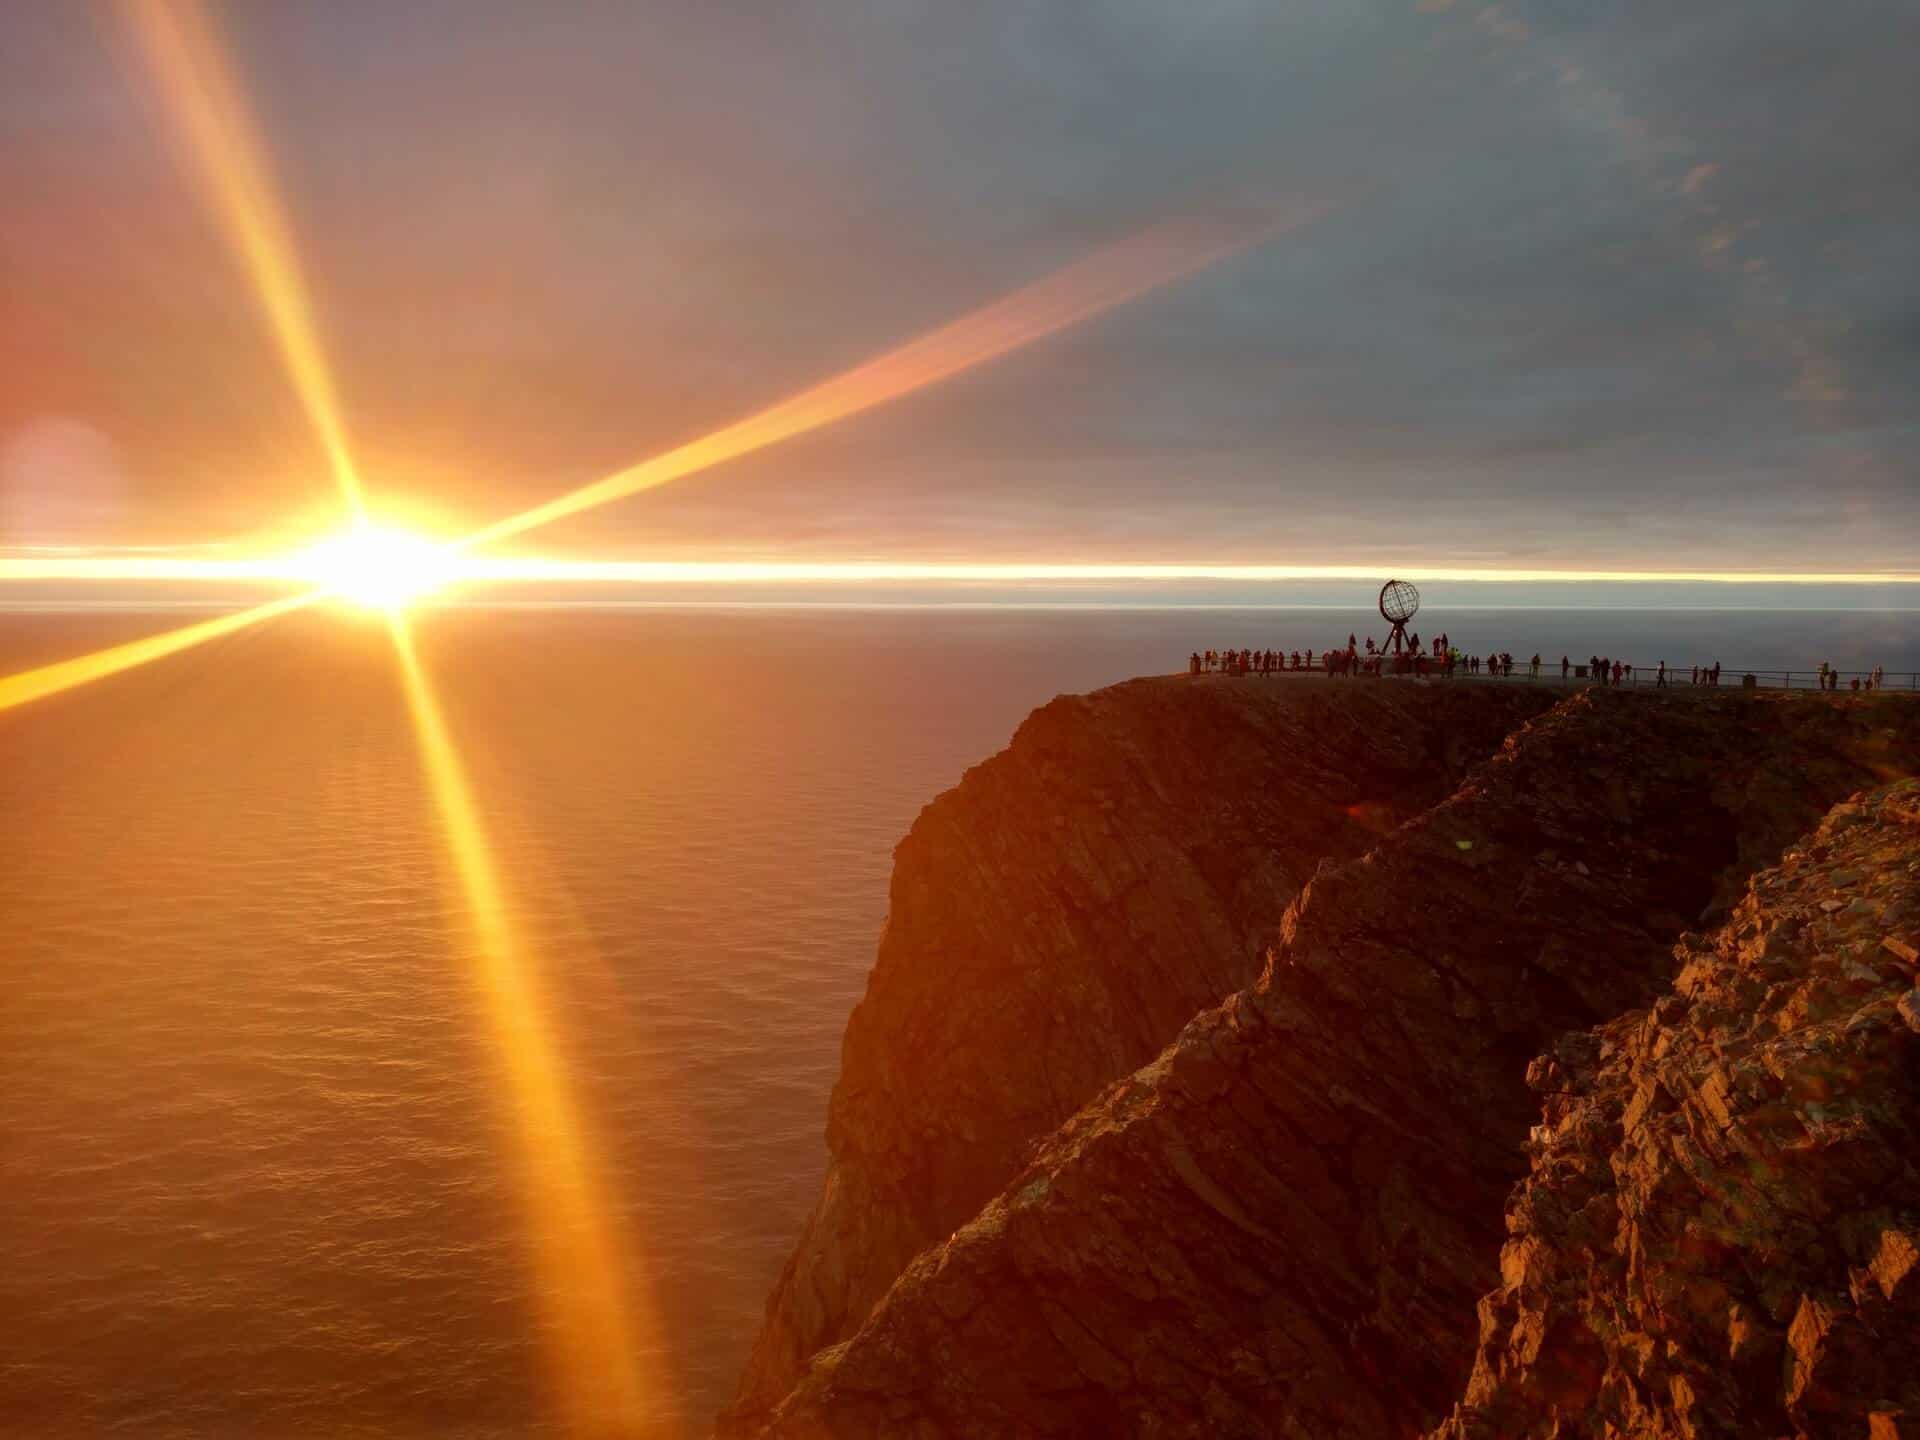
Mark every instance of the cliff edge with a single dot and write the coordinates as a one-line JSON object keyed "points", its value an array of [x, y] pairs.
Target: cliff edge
{"points": [[1057, 917], [1281, 1225]]}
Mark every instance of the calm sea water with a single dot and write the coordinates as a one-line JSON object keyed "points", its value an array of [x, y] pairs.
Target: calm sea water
{"points": [[251, 1165]]}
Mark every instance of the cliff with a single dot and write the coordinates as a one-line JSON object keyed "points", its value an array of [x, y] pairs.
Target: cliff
{"points": [[1281, 1225], [1055, 920], [1721, 1232]]}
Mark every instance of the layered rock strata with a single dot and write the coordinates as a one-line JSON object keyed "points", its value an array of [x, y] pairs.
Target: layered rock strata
{"points": [[1056, 919], [1720, 1236], [1281, 1225]]}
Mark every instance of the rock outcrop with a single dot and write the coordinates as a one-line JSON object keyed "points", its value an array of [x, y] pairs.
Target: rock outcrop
{"points": [[1057, 918], [1281, 1225], [1721, 1233]]}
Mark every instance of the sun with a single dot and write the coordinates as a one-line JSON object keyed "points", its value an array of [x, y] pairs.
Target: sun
{"points": [[379, 568]]}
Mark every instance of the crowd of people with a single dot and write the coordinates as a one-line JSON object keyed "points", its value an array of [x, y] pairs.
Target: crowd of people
{"points": [[1440, 657], [1874, 679]]}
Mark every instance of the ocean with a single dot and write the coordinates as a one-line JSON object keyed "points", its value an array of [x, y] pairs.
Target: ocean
{"points": [[251, 1145]]}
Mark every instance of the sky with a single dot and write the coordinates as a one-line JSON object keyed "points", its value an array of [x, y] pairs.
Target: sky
{"points": [[1624, 287]]}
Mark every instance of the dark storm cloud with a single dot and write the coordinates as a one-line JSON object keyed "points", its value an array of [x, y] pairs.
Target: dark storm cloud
{"points": [[1610, 285]]}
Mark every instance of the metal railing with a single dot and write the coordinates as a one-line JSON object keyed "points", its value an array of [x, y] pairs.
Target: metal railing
{"points": [[1647, 677], [1637, 677]]}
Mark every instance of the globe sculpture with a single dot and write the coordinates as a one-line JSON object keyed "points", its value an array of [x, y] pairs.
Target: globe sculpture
{"points": [[1399, 602]]}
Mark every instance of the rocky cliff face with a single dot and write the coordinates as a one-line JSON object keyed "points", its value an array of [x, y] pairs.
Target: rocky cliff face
{"points": [[1721, 1232], [1059, 916], [1281, 1225]]}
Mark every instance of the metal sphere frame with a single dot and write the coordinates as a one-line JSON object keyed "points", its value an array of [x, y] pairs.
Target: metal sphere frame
{"points": [[1399, 603]]}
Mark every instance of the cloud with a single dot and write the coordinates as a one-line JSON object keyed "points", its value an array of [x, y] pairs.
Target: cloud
{"points": [[1588, 265]]}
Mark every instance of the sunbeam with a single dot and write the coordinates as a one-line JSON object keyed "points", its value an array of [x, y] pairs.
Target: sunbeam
{"points": [[1123, 271], [583, 1274], [51, 679], [204, 105]]}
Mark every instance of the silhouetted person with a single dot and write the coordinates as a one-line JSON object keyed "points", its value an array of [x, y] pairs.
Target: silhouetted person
{"points": [[1660, 681]]}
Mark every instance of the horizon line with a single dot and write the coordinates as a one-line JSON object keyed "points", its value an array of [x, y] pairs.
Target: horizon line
{"points": [[294, 568]]}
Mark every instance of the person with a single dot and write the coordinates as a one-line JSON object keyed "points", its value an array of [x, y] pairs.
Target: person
{"points": [[1566, 667], [1716, 672], [1661, 681], [1618, 670], [1536, 664], [1856, 684], [1193, 663]]}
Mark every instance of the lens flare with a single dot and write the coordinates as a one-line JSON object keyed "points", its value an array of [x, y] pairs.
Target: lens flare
{"points": [[583, 1273], [380, 569], [1126, 270], [65, 674], [209, 116]]}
